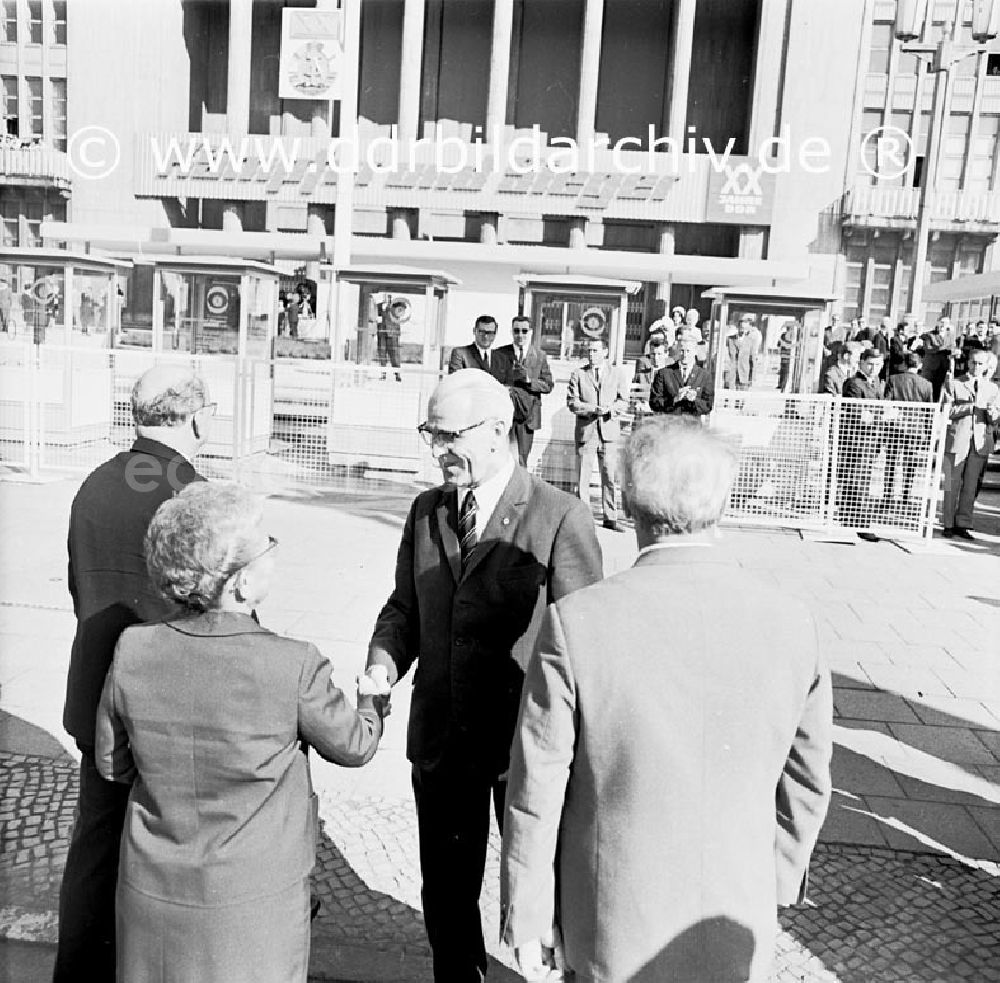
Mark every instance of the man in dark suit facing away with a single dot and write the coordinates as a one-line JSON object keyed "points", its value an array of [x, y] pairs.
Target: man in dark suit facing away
{"points": [[530, 374], [907, 432], [480, 354], [111, 591], [481, 557]]}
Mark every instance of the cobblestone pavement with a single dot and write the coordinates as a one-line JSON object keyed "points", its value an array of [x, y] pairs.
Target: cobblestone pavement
{"points": [[875, 915], [905, 882]]}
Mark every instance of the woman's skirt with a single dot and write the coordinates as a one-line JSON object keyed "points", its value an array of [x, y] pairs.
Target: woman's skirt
{"points": [[261, 941]]}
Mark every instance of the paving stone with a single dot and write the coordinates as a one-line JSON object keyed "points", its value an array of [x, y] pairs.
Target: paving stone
{"points": [[855, 773], [953, 712], [872, 705], [906, 681], [943, 823], [959, 745]]}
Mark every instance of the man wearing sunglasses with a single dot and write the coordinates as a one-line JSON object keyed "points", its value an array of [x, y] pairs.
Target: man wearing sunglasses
{"points": [[529, 379], [481, 558], [111, 590], [480, 354]]}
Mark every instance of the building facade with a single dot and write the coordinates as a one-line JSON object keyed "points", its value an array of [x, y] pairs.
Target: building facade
{"points": [[728, 135]]}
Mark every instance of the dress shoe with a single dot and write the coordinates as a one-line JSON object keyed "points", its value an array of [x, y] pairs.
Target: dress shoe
{"points": [[961, 533], [948, 532], [613, 525]]}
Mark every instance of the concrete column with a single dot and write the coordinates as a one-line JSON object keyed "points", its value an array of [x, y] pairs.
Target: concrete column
{"points": [[232, 217], [680, 69], [496, 102], [578, 233], [665, 247], [400, 223], [767, 71], [238, 81], [409, 74], [752, 242], [488, 231], [590, 63], [320, 124], [315, 225]]}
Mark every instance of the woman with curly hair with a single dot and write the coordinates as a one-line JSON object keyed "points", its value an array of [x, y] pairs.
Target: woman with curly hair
{"points": [[205, 713]]}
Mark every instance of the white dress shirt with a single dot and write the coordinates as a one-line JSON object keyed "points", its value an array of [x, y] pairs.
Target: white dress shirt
{"points": [[488, 494]]}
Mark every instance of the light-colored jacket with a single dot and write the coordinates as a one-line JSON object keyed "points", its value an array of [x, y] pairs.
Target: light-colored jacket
{"points": [[584, 397], [210, 711], [971, 427], [662, 801]]}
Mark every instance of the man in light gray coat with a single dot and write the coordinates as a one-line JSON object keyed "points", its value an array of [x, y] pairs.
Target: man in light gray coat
{"points": [[670, 770]]}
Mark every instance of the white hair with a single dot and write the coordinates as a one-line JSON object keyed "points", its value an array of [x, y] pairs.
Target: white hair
{"points": [[481, 389], [676, 475]]}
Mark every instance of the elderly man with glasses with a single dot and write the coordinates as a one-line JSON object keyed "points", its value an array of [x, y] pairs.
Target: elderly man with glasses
{"points": [[481, 557], [111, 590]]}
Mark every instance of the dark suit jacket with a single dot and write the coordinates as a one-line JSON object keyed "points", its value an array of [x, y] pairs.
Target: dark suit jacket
{"points": [[859, 387], [533, 377], [654, 784], [107, 567], [211, 708], [909, 387], [467, 357], [667, 383], [471, 634]]}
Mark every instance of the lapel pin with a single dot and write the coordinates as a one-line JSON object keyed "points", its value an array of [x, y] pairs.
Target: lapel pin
{"points": [[506, 521]]}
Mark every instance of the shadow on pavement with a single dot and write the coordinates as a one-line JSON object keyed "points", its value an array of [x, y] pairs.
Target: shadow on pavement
{"points": [[911, 776], [884, 916]]}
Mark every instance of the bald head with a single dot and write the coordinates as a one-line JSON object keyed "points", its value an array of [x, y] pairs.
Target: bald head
{"points": [[167, 396], [474, 394]]}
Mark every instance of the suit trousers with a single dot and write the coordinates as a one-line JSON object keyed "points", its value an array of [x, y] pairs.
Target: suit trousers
{"points": [[87, 896], [607, 459], [453, 820], [962, 477], [524, 439]]}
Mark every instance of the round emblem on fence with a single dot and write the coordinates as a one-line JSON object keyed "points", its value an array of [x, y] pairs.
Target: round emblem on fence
{"points": [[400, 311], [217, 300], [43, 290], [593, 322]]}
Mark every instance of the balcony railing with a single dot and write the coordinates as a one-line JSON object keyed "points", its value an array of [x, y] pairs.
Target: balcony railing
{"points": [[876, 206], [34, 165]]}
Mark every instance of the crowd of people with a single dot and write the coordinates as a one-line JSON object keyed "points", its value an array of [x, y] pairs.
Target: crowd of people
{"points": [[651, 824], [899, 364]]}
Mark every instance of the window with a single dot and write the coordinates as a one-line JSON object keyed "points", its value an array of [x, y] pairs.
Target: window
{"points": [[10, 209], [871, 120], [57, 116], [59, 22], [34, 21], [8, 21], [956, 135], [878, 59], [979, 174], [993, 64], [10, 113], [36, 108]]}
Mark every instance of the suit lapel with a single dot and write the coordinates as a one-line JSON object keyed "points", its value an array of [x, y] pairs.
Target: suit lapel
{"points": [[447, 520], [504, 519]]}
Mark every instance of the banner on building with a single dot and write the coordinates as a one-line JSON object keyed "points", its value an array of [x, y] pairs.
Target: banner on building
{"points": [[740, 193], [312, 54]]}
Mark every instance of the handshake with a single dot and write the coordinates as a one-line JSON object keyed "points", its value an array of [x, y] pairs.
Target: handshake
{"points": [[375, 684]]}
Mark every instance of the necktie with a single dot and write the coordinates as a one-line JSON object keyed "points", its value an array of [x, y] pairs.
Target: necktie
{"points": [[467, 527], [597, 376], [520, 354], [486, 358]]}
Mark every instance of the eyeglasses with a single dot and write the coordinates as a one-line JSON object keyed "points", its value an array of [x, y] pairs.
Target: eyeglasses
{"points": [[431, 435], [272, 542], [521, 330], [211, 407]]}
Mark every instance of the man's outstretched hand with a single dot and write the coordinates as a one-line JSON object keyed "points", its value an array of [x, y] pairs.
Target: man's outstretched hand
{"points": [[541, 959]]}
